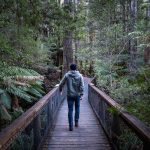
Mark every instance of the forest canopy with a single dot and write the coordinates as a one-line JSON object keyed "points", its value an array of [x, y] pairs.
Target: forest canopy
{"points": [[117, 51], [107, 39]]}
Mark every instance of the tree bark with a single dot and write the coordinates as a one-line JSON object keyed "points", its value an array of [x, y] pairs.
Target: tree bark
{"points": [[147, 49], [67, 51], [67, 44], [133, 50]]}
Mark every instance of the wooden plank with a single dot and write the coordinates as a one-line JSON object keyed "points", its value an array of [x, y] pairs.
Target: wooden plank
{"points": [[87, 148], [78, 148], [83, 138], [75, 142], [84, 134], [51, 146], [77, 145], [79, 131]]}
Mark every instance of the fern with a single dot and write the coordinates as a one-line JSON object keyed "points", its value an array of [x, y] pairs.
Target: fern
{"points": [[20, 93], [39, 88], [5, 99], [26, 84], [35, 92], [4, 114]]}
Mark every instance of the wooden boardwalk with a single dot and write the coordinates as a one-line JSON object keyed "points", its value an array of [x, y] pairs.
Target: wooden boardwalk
{"points": [[89, 135]]}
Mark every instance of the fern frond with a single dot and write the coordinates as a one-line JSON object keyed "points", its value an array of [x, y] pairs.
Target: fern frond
{"points": [[40, 90], [35, 92], [4, 113], [19, 92], [5, 99]]}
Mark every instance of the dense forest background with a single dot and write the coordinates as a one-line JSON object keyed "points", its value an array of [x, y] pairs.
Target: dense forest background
{"points": [[107, 39]]}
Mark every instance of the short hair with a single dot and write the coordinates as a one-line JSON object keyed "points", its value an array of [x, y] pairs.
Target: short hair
{"points": [[73, 66]]}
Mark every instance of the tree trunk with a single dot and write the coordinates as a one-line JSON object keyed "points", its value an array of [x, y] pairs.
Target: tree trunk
{"points": [[133, 50], [123, 4], [147, 49], [76, 42], [67, 43], [148, 12], [67, 51]]}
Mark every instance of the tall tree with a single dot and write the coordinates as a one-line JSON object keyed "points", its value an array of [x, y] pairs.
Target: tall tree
{"points": [[133, 42], [68, 34]]}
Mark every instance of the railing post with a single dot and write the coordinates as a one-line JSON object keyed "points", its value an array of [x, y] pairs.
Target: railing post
{"points": [[102, 112], [89, 92], [115, 129], [36, 132], [48, 114]]}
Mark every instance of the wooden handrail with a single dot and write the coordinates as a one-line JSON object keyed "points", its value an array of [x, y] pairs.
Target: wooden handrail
{"points": [[109, 100], [137, 126], [9, 134]]}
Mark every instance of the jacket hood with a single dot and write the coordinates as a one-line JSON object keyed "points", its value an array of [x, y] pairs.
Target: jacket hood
{"points": [[74, 74]]}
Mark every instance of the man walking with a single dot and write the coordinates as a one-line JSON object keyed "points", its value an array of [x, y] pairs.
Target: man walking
{"points": [[75, 86]]}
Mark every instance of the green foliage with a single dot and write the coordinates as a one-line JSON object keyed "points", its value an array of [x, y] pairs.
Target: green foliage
{"points": [[19, 93], [4, 115], [18, 89], [31, 34], [5, 99], [116, 49], [24, 141], [16, 113], [132, 139], [114, 111], [23, 49]]}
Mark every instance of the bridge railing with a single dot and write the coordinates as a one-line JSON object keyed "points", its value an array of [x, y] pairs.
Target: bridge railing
{"points": [[28, 131], [124, 130]]}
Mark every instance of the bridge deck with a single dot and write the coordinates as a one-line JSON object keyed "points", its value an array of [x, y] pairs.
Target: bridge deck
{"points": [[89, 135]]}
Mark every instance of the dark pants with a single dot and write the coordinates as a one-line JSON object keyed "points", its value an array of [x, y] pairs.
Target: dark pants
{"points": [[71, 101]]}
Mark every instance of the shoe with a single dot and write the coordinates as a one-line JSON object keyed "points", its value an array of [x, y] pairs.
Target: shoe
{"points": [[70, 129], [76, 124]]}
